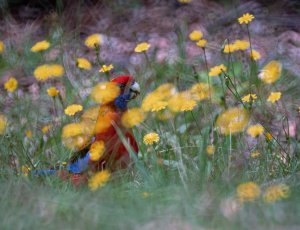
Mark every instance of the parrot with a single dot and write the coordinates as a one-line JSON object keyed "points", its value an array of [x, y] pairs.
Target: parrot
{"points": [[107, 127]]}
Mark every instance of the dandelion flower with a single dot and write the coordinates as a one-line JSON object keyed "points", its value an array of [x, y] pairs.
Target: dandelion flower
{"points": [[201, 43], [96, 150], [11, 85], [248, 191], [28, 134], [105, 92], [246, 18], [249, 98], [93, 40], [276, 192], [90, 114], [268, 136], [46, 129], [184, 1], [255, 130], [142, 47], [3, 123], [83, 63], [2, 47], [255, 154], [217, 70], [200, 91], [76, 136], [25, 170], [274, 96], [210, 150], [99, 180], [106, 68], [255, 55], [44, 72], [181, 102], [271, 72], [241, 44], [52, 91], [151, 138], [158, 106], [232, 121], [40, 46], [71, 110], [71, 130], [133, 117], [195, 35], [157, 100], [229, 48]]}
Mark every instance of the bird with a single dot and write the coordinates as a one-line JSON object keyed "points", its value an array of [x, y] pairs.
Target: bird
{"points": [[108, 130]]}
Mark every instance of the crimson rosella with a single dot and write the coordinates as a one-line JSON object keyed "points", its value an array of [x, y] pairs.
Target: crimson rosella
{"points": [[107, 129]]}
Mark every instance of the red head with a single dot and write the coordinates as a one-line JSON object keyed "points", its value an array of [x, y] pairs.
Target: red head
{"points": [[127, 85], [122, 80]]}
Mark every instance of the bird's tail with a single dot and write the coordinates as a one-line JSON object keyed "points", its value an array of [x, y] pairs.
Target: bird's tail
{"points": [[44, 172]]}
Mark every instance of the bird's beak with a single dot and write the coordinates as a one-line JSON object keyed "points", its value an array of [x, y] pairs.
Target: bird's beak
{"points": [[134, 90]]}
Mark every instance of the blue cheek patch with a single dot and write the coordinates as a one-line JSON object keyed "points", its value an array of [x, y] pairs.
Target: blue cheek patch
{"points": [[122, 100]]}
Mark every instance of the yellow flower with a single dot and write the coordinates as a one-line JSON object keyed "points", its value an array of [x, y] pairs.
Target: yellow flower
{"points": [[255, 154], [71, 130], [181, 102], [25, 170], [44, 72], [146, 194], [90, 114], [158, 106], [142, 47], [255, 130], [3, 123], [241, 44], [217, 70], [195, 35], [96, 150], [249, 98], [246, 18], [11, 85], [106, 68], [274, 96], [93, 40], [201, 43], [83, 63], [52, 91], [184, 1], [76, 136], [99, 180], [255, 55], [268, 136], [271, 72], [276, 192], [200, 91], [157, 100], [229, 48], [105, 92], [133, 117], [46, 129], [2, 47], [71, 110], [28, 134], [210, 149], [232, 121], [40, 46], [151, 138], [248, 191]]}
